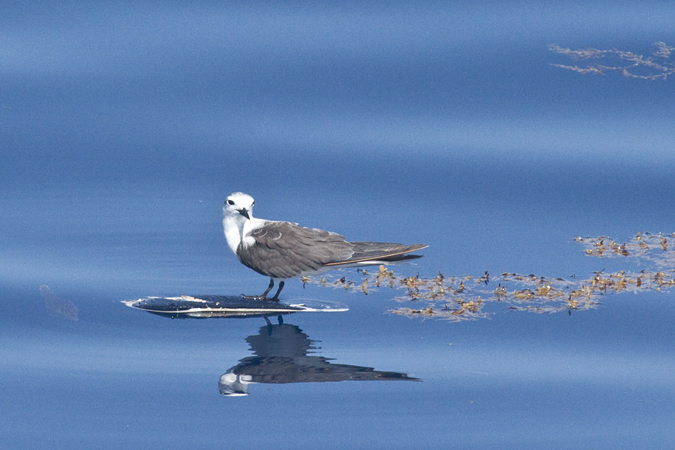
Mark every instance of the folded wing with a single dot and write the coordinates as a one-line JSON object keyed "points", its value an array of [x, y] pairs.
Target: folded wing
{"points": [[286, 250]]}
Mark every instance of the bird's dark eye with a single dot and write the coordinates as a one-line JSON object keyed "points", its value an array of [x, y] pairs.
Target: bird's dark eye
{"points": [[230, 202]]}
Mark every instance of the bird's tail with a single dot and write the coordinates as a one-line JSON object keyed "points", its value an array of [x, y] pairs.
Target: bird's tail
{"points": [[374, 252]]}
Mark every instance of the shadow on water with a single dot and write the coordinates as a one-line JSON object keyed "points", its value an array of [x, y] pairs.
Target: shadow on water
{"points": [[282, 351], [282, 355]]}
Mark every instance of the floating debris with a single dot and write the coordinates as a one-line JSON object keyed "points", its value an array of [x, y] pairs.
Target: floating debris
{"points": [[58, 307], [457, 299], [628, 64], [645, 247]]}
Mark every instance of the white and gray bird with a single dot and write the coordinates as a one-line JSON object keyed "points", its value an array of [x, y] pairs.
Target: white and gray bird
{"points": [[282, 250]]}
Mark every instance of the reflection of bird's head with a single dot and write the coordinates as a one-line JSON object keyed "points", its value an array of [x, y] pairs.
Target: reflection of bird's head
{"points": [[233, 385], [238, 206]]}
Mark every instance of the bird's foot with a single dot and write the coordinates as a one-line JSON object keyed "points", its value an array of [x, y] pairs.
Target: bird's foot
{"points": [[264, 297], [256, 297]]}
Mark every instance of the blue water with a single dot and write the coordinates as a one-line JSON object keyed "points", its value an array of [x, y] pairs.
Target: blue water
{"points": [[123, 128]]}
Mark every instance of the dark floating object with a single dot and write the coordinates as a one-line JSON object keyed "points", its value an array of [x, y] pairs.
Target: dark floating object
{"points": [[215, 306], [58, 307]]}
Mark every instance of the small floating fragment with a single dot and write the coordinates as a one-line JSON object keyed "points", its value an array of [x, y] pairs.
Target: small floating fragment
{"points": [[58, 307]]}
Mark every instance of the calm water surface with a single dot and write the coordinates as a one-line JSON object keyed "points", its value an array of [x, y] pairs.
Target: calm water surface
{"points": [[124, 127], [123, 377]]}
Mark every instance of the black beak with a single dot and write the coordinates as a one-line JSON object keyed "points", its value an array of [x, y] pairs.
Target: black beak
{"points": [[244, 212]]}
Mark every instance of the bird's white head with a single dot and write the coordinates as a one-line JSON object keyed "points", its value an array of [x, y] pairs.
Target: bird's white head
{"points": [[238, 206], [237, 216]]}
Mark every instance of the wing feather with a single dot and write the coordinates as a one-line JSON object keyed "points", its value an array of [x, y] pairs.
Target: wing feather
{"points": [[285, 249]]}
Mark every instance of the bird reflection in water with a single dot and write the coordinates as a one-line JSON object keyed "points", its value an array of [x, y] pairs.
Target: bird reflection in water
{"points": [[282, 355]]}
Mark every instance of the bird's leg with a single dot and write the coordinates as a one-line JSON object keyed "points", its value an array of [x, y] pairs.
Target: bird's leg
{"points": [[276, 296], [264, 294]]}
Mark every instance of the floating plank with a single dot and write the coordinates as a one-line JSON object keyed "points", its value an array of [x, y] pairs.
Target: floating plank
{"points": [[212, 306]]}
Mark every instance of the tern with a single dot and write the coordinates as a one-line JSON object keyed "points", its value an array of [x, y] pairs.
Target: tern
{"points": [[283, 250]]}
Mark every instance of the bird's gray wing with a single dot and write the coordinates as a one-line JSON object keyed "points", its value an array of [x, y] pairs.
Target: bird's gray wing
{"points": [[285, 249]]}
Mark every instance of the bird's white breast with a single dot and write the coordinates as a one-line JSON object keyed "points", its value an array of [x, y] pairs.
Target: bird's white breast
{"points": [[249, 226], [232, 233], [238, 231]]}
